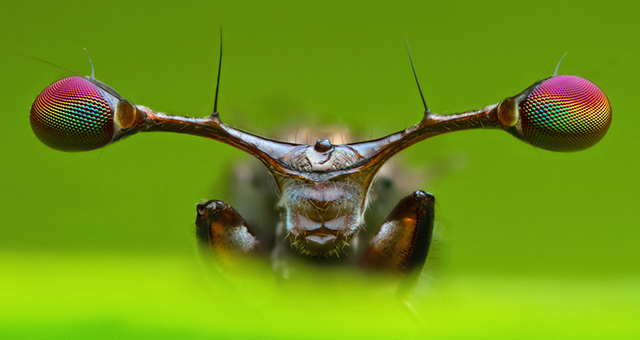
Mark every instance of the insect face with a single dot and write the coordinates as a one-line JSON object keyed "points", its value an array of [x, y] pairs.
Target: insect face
{"points": [[321, 217]]}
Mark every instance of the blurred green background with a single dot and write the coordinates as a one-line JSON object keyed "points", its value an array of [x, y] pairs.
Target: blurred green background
{"points": [[101, 244]]}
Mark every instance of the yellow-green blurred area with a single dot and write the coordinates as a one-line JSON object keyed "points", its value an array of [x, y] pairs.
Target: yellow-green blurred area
{"points": [[534, 244], [114, 297]]}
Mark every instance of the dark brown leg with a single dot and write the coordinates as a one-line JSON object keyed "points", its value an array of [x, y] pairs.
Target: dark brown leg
{"points": [[222, 231], [402, 244]]}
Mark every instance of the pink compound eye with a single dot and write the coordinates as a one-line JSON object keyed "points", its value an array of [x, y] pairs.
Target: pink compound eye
{"points": [[73, 114], [565, 113]]}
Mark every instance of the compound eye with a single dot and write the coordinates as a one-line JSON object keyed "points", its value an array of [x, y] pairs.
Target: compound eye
{"points": [[73, 114], [565, 113]]}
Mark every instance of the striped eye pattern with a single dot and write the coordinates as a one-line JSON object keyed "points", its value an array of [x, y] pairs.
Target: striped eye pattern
{"points": [[565, 113], [73, 114]]}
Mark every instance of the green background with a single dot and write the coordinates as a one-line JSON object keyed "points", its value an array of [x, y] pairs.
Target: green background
{"points": [[536, 244]]}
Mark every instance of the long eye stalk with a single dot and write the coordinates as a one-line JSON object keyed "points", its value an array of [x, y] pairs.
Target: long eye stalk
{"points": [[560, 113]]}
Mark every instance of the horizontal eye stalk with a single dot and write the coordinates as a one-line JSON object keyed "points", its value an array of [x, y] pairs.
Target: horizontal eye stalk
{"points": [[560, 113]]}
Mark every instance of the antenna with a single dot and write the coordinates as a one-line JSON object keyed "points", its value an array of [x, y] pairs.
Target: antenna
{"points": [[557, 67], [90, 63], [54, 65], [215, 103], [415, 75]]}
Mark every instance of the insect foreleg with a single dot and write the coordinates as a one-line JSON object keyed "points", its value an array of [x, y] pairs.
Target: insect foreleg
{"points": [[221, 231], [403, 242]]}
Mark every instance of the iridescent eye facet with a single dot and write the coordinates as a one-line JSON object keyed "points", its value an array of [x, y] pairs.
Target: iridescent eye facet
{"points": [[73, 114], [565, 113]]}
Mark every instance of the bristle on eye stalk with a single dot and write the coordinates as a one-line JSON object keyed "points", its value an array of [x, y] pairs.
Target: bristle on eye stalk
{"points": [[73, 114], [564, 113]]}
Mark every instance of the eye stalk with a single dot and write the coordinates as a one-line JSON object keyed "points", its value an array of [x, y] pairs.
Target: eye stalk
{"points": [[79, 114], [561, 113]]}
